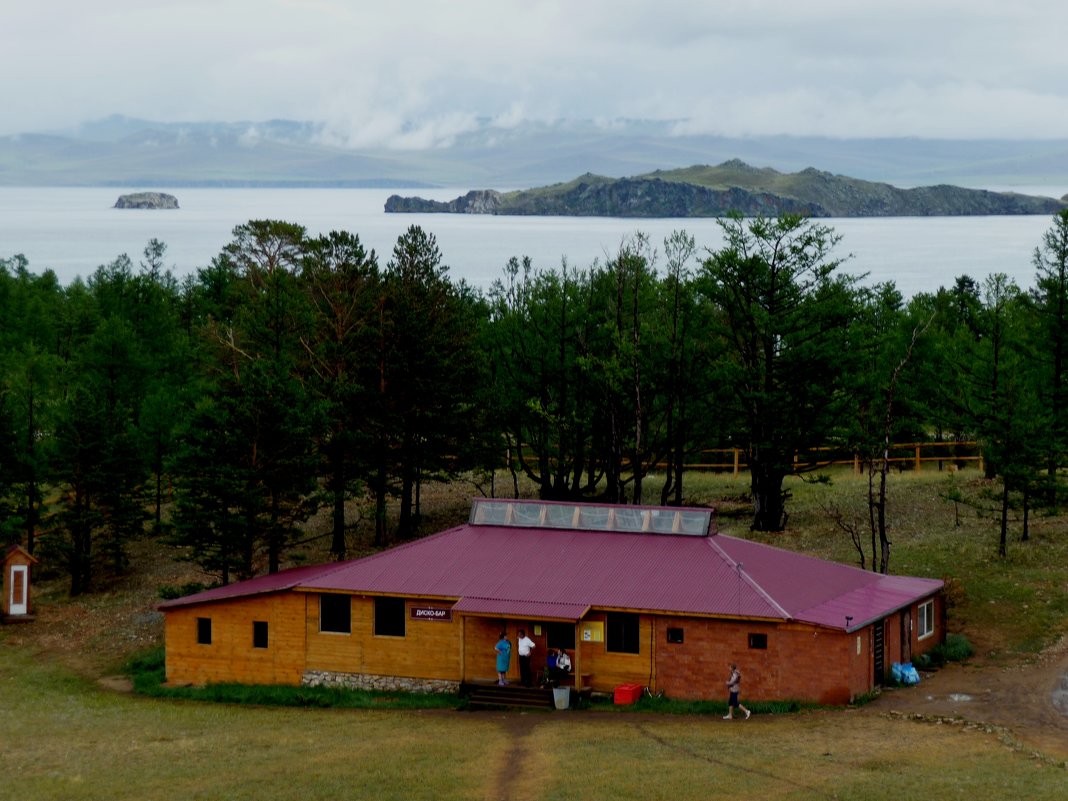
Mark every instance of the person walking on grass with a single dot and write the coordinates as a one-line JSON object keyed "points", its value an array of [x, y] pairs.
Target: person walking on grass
{"points": [[734, 686]]}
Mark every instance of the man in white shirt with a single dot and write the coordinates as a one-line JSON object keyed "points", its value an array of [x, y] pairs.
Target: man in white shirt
{"points": [[524, 646]]}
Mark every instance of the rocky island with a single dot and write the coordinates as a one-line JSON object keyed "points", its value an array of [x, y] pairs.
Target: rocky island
{"points": [[734, 187], [147, 200]]}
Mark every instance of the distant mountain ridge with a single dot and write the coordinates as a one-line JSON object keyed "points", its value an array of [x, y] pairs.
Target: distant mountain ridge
{"points": [[123, 151], [733, 187]]}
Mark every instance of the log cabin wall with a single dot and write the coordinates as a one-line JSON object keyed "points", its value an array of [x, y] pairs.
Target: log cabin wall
{"points": [[480, 658], [430, 649], [232, 655], [603, 670]]}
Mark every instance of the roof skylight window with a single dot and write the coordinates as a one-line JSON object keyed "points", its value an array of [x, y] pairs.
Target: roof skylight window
{"points": [[591, 517]]}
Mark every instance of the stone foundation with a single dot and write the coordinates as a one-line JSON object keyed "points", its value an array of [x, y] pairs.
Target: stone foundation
{"points": [[367, 681]]}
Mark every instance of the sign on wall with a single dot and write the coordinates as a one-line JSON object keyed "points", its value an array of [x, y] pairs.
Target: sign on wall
{"points": [[593, 631], [442, 613]]}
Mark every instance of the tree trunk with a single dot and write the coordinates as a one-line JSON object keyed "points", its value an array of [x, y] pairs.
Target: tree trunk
{"points": [[32, 495], [81, 545], [380, 506], [1002, 543], [274, 537], [1025, 535], [404, 521], [337, 493], [159, 498], [884, 541], [769, 508]]}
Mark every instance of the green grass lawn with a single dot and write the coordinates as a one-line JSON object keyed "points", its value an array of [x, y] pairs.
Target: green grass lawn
{"points": [[65, 738]]}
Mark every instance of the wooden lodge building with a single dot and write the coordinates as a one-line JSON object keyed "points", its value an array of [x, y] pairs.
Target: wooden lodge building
{"points": [[653, 596]]}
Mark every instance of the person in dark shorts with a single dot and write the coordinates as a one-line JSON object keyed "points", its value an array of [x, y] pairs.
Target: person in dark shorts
{"points": [[734, 686]]}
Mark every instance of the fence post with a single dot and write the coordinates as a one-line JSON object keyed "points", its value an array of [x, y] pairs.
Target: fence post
{"points": [[918, 462], [856, 463], [737, 451]]}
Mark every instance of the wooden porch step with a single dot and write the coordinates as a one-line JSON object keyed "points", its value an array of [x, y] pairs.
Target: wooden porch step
{"points": [[483, 696]]}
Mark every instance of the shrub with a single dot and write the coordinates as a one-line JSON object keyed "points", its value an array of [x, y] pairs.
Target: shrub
{"points": [[147, 671], [955, 648], [953, 592]]}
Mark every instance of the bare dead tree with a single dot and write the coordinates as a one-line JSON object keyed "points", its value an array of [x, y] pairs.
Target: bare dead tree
{"points": [[877, 472]]}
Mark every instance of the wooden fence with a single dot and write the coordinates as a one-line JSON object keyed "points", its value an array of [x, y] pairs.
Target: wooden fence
{"points": [[903, 456]]}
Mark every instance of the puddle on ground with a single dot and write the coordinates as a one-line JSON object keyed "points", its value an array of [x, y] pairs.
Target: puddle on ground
{"points": [[1060, 696]]}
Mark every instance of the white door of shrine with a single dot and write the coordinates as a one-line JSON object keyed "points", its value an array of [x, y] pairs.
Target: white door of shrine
{"points": [[18, 601]]}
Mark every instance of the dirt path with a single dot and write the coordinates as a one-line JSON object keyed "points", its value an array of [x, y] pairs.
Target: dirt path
{"points": [[1030, 702]]}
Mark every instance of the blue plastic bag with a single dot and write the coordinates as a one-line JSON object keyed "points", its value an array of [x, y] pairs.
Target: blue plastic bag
{"points": [[909, 674]]}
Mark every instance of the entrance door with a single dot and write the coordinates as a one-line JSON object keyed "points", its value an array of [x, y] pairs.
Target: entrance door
{"points": [[906, 635], [878, 651], [19, 599]]}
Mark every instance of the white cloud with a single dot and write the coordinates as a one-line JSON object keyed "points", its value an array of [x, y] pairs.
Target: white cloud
{"points": [[417, 73]]}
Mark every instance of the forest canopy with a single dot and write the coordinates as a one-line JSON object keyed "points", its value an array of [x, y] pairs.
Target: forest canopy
{"points": [[296, 373]]}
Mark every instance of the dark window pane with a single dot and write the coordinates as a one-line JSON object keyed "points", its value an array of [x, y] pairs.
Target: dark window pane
{"points": [[621, 633], [259, 634], [335, 614], [389, 617], [758, 641], [204, 630], [674, 635], [560, 635]]}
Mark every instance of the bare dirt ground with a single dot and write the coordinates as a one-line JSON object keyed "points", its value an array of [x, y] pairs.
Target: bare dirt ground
{"points": [[1026, 703]]}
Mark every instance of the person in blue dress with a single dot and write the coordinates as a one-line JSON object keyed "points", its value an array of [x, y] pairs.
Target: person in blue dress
{"points": [[504, 657]]}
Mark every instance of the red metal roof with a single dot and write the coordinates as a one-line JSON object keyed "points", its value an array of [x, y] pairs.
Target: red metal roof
{"points": [[274, 582], [561, 573], [538, 610]]}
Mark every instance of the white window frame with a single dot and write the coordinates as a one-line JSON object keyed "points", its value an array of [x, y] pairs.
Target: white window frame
{"points": [[923, 628]]}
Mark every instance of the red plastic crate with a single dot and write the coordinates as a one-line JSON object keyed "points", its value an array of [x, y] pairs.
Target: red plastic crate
{"points": [[627, 693]]}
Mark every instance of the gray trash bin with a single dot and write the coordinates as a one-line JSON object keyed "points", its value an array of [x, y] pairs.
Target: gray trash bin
{"points": [[562, 697]]}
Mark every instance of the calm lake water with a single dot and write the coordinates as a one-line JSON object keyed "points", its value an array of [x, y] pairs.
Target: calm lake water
{"points": [[75, 230]]}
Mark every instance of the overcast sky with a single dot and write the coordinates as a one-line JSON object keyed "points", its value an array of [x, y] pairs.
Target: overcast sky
{"points": [[413, 73]]}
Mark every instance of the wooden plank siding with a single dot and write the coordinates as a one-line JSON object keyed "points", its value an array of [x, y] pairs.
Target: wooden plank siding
{"points": [[231, 657], [428, 649], [798, 661], [608, 669], [480, 658]]}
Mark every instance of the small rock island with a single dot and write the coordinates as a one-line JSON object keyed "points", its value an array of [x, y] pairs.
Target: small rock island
{"points": [[147, 200]]}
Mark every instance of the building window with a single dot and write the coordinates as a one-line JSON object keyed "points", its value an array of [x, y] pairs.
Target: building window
{"points": [[335, 614], [674, 635], [389, 617], [204, 630], [259, 633], [759, 641], [622, 633], [926, 619], [560, 635]]}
